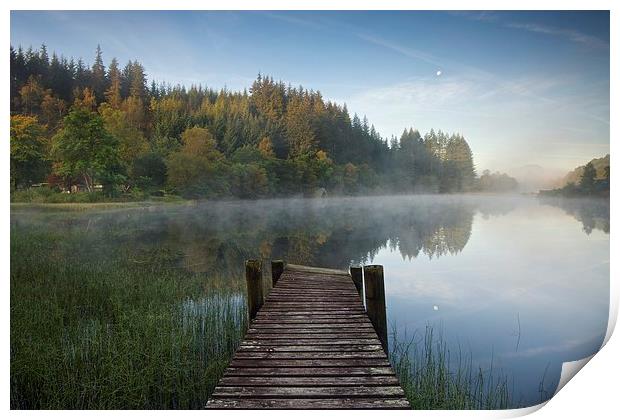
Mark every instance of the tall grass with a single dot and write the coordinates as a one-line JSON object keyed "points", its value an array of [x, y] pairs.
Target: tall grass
{"points": [[45, 195], [433, 379], [95, 331]]}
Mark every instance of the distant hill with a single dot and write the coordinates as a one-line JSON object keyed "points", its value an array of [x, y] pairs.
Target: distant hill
{"points": [[574, 176], [579, 183], [533, 178]]}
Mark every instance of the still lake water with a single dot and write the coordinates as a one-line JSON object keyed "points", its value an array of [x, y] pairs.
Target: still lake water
{"points": [[513, 282]]}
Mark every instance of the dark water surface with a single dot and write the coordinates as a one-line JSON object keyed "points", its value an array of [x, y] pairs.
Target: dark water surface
{"points": [[515, 283]]}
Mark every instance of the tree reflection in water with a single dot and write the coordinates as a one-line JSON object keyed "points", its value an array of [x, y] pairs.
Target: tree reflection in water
{"points": [[592, 213], [216, 237]]}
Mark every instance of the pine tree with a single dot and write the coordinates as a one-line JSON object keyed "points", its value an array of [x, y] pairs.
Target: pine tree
{"points": [[113, 93], [98, 80], [586, 185]]}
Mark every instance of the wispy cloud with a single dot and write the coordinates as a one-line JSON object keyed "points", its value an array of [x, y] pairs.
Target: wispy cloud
{"points": [[481, 15], [406, 51], [290, 18], [422, 91], [570, 34], [492, 82], [587, 346]]}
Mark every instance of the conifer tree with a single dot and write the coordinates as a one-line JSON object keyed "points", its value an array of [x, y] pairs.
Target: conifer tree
{"points": [[113, 93], [98, 80]]}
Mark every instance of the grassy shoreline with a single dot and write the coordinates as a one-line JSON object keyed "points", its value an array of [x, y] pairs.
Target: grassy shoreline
{"points": [[93, 331]]}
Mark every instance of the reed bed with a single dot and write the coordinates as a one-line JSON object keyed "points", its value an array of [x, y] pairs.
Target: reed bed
{"points": [[92, 331], [434, 378]]}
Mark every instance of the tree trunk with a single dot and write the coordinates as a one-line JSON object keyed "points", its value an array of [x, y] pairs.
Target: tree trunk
{"points": [[88, 182]]}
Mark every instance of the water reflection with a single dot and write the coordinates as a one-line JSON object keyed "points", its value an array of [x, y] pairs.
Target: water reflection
{"points": [[593, 214], [481, 267], [336, 232]]}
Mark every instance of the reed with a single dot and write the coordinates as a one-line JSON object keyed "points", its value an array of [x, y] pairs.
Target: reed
{"points": [[92, 331], [435, 379]]}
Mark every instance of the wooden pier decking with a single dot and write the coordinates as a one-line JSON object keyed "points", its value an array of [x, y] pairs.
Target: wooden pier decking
{"points": [[310, 346]]}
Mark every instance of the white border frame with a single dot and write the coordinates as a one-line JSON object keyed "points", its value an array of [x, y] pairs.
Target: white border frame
{"points": [[591, 395]]}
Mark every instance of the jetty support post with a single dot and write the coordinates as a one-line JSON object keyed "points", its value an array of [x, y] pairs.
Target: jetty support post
{"points": [[375, 301], [254, 281], [277, 267], [356, 275]]}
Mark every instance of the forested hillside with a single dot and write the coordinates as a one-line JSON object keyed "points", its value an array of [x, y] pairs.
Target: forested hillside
{"points": [[96, 127], [591, 179], [601, 165]]}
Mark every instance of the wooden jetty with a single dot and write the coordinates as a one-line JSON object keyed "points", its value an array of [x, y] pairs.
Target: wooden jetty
{"points": [[311, 344]]}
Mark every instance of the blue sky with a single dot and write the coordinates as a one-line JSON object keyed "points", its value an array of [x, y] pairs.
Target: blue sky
{"points": [[523, 87]]}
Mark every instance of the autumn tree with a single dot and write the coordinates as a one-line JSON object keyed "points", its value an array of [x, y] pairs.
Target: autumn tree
{"points": [[29, 162], [31, 96], [266, 147], [197, 169], [113, 92], [299, 127], [131, 142]]}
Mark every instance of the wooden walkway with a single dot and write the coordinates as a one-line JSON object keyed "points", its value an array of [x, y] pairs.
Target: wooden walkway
{"points": [[311, 346]]}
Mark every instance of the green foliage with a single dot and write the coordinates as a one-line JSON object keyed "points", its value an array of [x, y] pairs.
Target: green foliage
{"points": [[249, 181], [496, 182], [587, 179], [85, 150], [149, 171], [28, 151], [52, 195], [600, 165], [131, 141], [304, 141], [198, 169]]}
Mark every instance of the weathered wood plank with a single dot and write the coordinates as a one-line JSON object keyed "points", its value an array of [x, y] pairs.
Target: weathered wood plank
{"points": [[312, 314], [312, 307], [309, 372], [321, 392], [349, 325], [315, 363], [312, 301], [304, 270], [314, 286], [325, 336], [321, 381], [289, 316], [311, 348], [308, 341], [310, 355], [295, 296], [307, 320], [310, 404]]}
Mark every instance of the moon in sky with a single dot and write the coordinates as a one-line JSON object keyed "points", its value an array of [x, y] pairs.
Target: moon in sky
{"points": [[435, 308], [438, 73]]}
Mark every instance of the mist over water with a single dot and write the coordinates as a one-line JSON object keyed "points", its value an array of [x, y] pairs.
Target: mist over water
{"points": [[516, 282]]}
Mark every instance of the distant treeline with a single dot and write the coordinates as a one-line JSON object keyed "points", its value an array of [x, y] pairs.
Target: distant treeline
{"points": [[593, 180], [88, 128]]}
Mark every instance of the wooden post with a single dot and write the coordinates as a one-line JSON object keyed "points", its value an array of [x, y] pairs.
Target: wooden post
{"points": [[356, 275], [375, 301], [277, 267], [254, 281]]}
